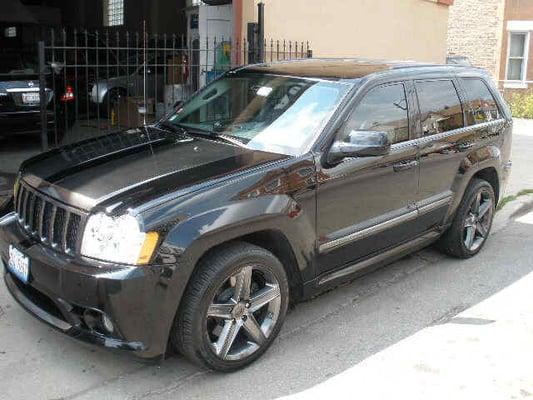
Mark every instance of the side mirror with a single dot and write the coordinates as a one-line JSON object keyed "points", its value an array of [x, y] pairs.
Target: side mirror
{"points": [[360, 144]]}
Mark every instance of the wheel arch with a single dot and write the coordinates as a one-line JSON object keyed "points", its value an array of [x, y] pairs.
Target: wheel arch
{"points": [[483, 163], [274, 241], [490, 175]]}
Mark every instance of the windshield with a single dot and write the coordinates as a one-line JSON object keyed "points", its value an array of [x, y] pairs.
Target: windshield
{"points": [[265, 112]]}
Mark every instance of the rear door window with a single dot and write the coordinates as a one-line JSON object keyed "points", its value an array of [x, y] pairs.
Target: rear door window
{"points": [[482, 106], [440, 107]]}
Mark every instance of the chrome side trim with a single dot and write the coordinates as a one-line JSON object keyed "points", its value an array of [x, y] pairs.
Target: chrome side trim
{"points": [[423, 208], [434, 202], [444, 135], [371, 230], [398, 251]]}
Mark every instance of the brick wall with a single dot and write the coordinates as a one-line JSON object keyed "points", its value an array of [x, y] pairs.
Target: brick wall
{"points": [[475, 31]]}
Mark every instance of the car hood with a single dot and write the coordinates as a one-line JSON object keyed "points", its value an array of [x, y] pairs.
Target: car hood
{"points": [[136, 166]]}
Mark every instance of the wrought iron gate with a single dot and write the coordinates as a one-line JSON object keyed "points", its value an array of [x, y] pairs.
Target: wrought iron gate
{"points": [[94, 83]]}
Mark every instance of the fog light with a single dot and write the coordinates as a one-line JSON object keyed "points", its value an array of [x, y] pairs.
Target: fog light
{"points": [[96, 320], [106, 322]]}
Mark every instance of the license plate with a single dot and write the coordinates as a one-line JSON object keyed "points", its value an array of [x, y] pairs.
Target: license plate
{"points": [[18, 264], [30, 98]]}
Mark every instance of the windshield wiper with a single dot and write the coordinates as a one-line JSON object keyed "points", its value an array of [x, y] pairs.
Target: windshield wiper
{"points": [[173, 127], [217, 131], [180, 128], [229, 139]]}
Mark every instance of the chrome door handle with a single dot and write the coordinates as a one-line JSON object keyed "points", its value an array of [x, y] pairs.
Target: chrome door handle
{"points": [[404, 165], [465, 146]]}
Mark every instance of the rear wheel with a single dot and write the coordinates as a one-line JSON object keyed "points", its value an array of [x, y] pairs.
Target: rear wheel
{"points": [[472, 223], [233, 309]]}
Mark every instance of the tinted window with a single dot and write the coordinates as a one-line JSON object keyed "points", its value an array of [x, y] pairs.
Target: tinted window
{"points": [[440, 107], [481, 104], [383, 109]]}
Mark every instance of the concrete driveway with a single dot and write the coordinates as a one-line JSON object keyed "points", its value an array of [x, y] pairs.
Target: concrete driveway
{"points": [[321, 338]]}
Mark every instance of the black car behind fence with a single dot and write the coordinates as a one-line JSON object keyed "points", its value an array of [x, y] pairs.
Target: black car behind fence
{"points": [[112, 81]]}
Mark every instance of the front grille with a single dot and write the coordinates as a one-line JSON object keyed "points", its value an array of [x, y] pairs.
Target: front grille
{"points": [[51, 222]]}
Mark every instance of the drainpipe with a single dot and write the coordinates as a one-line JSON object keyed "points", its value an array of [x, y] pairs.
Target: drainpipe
{"points": [[261, 30], [238, 49]]}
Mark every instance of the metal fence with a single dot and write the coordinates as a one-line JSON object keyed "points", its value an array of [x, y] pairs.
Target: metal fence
{"points": [[106, 82]]}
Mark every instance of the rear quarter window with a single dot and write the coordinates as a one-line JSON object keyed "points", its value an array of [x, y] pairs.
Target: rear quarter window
{"points": [[481, 105], [440, 107]]}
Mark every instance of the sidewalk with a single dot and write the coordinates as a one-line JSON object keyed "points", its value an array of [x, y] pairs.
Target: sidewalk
{"points": [[485, 352]]}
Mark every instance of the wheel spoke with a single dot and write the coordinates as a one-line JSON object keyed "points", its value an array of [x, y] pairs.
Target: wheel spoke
{"points": [[263, 297], [485, 206], [481, 229], [220, 310], [470, 235], [477, 203], [254, 330], [227, 337], [243, 282]]}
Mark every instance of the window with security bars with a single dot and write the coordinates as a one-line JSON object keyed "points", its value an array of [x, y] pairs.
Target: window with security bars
{"points": [[113, 12]]}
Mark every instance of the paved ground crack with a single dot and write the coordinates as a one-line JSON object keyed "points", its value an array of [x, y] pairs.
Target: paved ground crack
{"points": [[168, 389], [104, 383]]}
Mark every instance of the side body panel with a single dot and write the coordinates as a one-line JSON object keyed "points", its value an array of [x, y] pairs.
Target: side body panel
{"points": [[280, 200]]}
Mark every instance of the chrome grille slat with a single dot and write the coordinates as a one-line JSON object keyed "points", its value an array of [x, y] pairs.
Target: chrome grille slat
{"points": [[27, 213], [22, 214], [66, 221], [48, 220], [21, 196], [51, 233], [40, 220], [31, 212]]}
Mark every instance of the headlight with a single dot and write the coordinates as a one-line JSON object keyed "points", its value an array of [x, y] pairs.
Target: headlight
{"points": [[118, 240]]}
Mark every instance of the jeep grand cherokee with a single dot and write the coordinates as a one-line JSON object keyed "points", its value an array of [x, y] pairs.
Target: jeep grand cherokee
{"points": [[271, 184]]}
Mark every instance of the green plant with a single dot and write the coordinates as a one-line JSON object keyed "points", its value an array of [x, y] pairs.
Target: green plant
{"points": [[521, 104], [508, 199]]}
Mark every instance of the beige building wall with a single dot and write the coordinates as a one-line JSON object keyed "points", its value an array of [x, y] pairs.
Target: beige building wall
{"points": [[388, 29], [475, 31]]}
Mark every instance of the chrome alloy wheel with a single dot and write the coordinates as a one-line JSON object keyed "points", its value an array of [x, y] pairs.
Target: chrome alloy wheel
{"points": [[478, 220], [243, 313]]}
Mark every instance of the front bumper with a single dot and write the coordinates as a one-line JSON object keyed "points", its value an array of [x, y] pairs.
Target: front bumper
{"points": [[62, 290]]}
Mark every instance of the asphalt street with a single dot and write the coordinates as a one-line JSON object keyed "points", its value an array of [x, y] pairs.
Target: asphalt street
{"points": [[321, 338]]}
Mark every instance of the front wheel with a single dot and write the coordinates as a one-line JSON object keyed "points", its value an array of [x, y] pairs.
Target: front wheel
{"points": [[233, 308], [472, 223]]}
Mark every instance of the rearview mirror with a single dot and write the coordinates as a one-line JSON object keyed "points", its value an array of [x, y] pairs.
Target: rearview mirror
{"points": [[360, 144]]}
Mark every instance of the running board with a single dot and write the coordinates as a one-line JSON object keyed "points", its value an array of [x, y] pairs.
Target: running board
{"points": [[386, 257]]}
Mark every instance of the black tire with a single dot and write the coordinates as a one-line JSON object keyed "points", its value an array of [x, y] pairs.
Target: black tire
{"points": [[454, 241], [192, 333]]}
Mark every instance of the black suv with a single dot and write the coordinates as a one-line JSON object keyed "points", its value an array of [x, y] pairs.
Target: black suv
{"points": [[274, 182]]}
